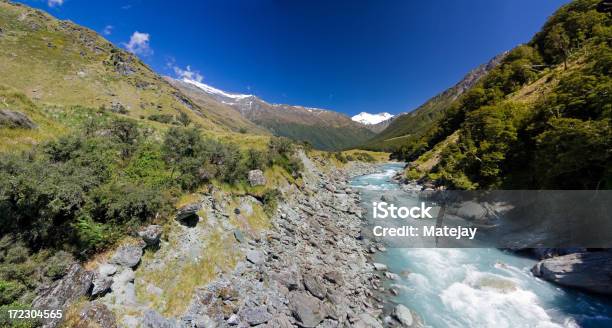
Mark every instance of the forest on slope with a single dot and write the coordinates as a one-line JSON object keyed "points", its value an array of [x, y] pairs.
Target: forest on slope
{"points": [[540, 119]]}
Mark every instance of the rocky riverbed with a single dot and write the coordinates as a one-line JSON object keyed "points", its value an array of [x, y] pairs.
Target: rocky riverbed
{"points": [[308, 267]]}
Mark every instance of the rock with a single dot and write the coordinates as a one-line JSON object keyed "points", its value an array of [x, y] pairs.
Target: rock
{"points": [[127, 256], [123, 287], [188, 216], [101, 285], [239, 236], [96, 314], [256, 178], [590, 271], [334, 277], [280, 321], [391, 276], [74, 285], [314, 286], [403, 315], [367, 321], [330, 187], [151, 234], [388, 198], [544, 253], [106, 269], [205, 321], [255, 315], [152, 319], [307, 309], [255, 257], [233, 320], [379, 266], [12, 119]]}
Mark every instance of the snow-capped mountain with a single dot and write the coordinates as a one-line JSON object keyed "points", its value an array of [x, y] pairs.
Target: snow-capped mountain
{"points": [[214, 91], [324, 129], [368, 119]]}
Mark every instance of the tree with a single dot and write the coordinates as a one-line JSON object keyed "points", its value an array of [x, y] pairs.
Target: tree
{"points": [[557, 44]]}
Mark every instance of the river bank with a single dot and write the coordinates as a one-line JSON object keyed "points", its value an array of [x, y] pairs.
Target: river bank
{"points": [[223, 263]]}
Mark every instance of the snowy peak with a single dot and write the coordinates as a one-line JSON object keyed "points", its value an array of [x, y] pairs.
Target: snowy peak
{"points": [[211, 90], [368, 119]]}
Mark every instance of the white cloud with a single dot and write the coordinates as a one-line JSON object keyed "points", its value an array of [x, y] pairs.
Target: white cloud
{"points": [[139, 44], [186, 73], [108, 30], [53, 3]]}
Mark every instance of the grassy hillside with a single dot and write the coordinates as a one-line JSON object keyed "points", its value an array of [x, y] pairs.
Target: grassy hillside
{"points": [[60, 64], [541, 119], [220, 113], [412, 125]]}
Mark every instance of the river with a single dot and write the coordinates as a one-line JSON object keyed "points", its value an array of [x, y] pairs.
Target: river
{"points": [[477, 287]]}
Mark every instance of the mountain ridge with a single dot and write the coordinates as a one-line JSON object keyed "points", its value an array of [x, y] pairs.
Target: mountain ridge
{"points": [[324, 129]]}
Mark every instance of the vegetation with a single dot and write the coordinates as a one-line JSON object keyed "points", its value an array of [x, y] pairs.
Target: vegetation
{"points": [[562, 138], [78, 194]]}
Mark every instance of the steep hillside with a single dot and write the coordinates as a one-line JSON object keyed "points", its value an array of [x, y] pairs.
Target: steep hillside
{"points": [[540, 119], [219, 112], [413, 124], [60, 64], [324, 129]]}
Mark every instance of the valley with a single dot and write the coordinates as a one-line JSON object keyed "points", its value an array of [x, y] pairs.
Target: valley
{"points": [[133, 199]]}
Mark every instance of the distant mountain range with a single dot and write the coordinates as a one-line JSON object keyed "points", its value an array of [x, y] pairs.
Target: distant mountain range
{"points": [[324, 129]]}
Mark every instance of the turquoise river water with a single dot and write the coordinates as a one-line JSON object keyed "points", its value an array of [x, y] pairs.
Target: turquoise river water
{"points": [[478, 287]]}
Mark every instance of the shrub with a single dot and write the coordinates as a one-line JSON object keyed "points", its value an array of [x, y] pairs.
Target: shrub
{"points": [[162, 118]]}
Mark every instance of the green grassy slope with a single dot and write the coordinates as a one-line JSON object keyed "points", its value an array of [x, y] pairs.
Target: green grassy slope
{"points": [[58, 63]]}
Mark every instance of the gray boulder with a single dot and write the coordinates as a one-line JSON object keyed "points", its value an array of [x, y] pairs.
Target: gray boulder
{"points": [[314, 286], [107, 269], [307, 309], [12, 119], [151, 234], [255, 257], [96, 314], [257, 178], [152, 319], [75, 284], [405, 316], [188, 216], [101, 285], [127, 256], [589, 271], [255, 315], [379, 266], [367, 321]]}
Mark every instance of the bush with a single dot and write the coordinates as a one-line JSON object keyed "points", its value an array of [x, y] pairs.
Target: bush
{"points": [[270, 201], [57, 264], [162, 118], [10, 291]]}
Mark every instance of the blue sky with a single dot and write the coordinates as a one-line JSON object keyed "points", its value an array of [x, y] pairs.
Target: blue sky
{"points": [[348, 56]]}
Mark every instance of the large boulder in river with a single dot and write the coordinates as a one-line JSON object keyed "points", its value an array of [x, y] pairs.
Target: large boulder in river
{"points": [[589, 271], [405, 317], [75, 284], [257, 178]]}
